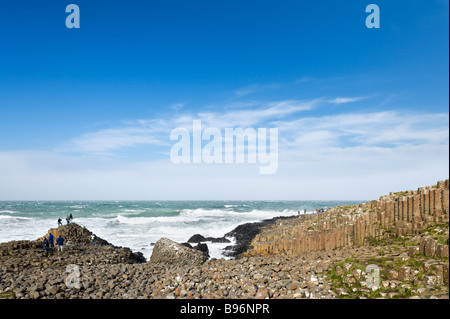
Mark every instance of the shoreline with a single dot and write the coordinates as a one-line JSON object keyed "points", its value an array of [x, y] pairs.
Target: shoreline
{"points": [[137, 226], [242, 234], [245, 233], [277, 258]]}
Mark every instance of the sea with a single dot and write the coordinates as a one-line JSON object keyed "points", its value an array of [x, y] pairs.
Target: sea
{"points": [[139, 224]]}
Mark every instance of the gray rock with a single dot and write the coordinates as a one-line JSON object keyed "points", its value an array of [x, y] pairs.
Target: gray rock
{"points": [[53, 290], [197, 238], [34, 294], [168, 251]]}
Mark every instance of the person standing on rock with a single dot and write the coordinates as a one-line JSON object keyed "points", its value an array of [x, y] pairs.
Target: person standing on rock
{"points": [[60, 243], [45, 244], [71, 218], [93, 237], [59, 222], [68, 220], [50, 240]]}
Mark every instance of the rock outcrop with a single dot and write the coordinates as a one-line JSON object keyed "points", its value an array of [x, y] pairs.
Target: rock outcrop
{"points": [[77, 239], [170, 252], [396, 214], [245, 233], [74, 234], [197, 238]]}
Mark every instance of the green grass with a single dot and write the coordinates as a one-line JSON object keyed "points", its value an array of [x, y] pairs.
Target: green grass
{"points": [[386, 264], [7, 295]]}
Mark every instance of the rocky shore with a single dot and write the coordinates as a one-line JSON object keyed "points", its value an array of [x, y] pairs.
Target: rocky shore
{"points": [[106, 271], [409, 264]]}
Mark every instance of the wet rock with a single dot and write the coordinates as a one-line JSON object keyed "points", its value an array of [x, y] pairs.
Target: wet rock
{"points": [[218, 239], [203, 248], [197, 238]]}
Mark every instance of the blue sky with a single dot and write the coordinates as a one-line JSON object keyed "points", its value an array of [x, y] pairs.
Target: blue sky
{"points": [[87, 113]]}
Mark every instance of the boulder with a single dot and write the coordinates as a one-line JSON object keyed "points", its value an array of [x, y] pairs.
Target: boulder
{"points": [[218, 240], [168, 251], [197, 238], [203, 248]]}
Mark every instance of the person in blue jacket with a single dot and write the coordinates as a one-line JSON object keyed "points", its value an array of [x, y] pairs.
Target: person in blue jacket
{"points": [[50, 240], [60, 243]]}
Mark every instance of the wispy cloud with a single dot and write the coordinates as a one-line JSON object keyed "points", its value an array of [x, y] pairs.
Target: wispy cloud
{"points": [[108, 140], [177, 106], [346, 150], [258, 115], [255, 88], [156, 131], [314, 134], [373, 128], [343, 100]]}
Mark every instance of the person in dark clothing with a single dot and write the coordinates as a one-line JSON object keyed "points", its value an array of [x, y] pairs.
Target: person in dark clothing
{"points": [[59, 222], [60, 243], [45, 244], [50, 240]]}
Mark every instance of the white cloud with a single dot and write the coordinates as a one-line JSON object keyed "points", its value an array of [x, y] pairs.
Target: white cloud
{"points": [[156, 131], [108, 140], [384, 129], [344, 156], [254, 88], [177, 106], [342, 100], [332, 173], [258, 115]]}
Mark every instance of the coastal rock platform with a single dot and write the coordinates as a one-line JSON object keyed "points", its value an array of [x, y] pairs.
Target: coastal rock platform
{"points": [[403, 235]]}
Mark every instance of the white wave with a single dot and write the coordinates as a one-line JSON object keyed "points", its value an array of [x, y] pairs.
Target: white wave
{"points": [[104, 215], [160, 219], [8, 212], [204, 212], [14, 217], [255, 212], [133, 211], [203, 218], [139, 220]]}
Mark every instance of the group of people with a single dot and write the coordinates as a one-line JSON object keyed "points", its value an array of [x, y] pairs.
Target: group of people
{"points": [[319, 210], [48, 243], [69, 220]]}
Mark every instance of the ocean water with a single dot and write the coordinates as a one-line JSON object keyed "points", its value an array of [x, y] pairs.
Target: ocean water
{"points": [[138, 224]]}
